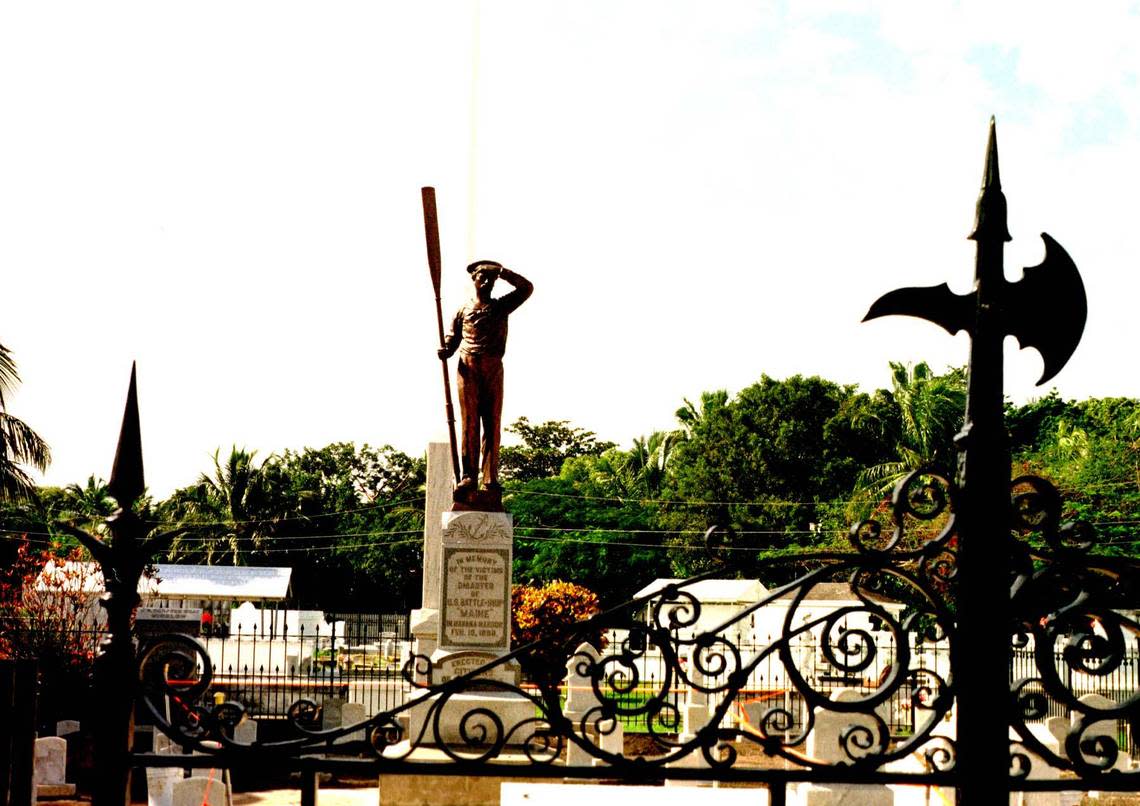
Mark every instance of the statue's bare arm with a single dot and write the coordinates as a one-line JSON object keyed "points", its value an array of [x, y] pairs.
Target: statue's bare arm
{"points": [[451, 342], [523, 289]]}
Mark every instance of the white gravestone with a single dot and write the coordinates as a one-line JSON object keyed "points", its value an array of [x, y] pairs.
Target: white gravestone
{"points": [[1051, 734], [1104, 727], [580, 701], [245, 732], [200, 791], [220, 776], [160, 780], [825, 743], [695, 716], [66, 726], [49, 771], [353, 713]]}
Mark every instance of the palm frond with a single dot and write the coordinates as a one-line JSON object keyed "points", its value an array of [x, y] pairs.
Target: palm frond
{"points": [[8, 375], [15, 483], [21, 445]]}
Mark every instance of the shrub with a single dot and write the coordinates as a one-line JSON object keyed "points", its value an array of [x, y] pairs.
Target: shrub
{"points": [[48, 613]]}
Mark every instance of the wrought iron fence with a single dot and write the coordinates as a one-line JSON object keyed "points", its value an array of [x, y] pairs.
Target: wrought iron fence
{"points": [[1117, 684], [359, 658], [352, 657], [992, 567]]}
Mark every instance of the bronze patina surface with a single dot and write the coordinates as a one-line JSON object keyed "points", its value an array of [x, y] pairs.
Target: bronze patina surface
{"points": [[479, 333]]}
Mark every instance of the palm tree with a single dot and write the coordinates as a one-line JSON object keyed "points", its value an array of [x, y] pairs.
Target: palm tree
{"points": [[690, 416], [645, 465], [236, 490], [229, 507], [19, 444], [930, 409], [90, 503]]}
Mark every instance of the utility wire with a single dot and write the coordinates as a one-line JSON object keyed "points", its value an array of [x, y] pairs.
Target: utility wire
{"points": [[773, 502]]}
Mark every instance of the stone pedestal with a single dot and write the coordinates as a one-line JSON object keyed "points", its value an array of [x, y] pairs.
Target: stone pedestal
{"points": [[465, 621], [424, 622], [475, 582], [468, 622]]}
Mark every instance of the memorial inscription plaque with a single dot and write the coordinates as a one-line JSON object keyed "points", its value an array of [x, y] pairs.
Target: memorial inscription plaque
{"points": [[476, 601]]}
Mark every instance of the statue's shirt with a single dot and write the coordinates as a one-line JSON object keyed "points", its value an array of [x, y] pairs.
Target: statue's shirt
{"points": [[485, 326]]}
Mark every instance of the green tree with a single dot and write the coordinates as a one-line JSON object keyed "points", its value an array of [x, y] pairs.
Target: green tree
{"points": [[230, 508], [19, 444], [595, 523], [1090, 450], [771, 462], [930, 410], [545, 447], [643, 470], [87, 504], [690, 416], [348, 520]]}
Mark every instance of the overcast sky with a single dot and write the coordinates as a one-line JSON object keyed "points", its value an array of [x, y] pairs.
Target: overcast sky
{"points": [[229, 193]]}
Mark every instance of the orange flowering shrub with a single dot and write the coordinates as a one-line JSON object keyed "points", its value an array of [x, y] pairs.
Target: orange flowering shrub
{"points": [[548, 611]]}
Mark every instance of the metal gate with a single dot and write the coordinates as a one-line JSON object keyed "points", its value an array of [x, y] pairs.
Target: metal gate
{"points": [[973, 566]]}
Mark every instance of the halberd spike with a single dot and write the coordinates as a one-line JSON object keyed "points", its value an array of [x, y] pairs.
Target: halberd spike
{"points": [[126, 484], [992, 176], [990, 218]]}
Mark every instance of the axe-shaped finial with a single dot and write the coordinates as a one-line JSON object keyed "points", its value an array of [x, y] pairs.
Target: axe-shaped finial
{"points": [[1045, 309]]}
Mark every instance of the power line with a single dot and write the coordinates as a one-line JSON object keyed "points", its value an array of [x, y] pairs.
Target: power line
{"points": [[311, 516], [682, 502]]}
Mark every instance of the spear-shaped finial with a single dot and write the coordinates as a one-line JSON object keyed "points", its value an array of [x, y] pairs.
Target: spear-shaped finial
{"points": [[990, 219], [126, 483]]}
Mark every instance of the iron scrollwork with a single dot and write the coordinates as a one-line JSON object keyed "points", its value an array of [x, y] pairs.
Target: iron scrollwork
{"points": [[693, 687], [1072, 618], [895, 626]]}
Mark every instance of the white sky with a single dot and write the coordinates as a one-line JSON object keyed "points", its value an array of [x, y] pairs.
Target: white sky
{"points": [[229, 192]]}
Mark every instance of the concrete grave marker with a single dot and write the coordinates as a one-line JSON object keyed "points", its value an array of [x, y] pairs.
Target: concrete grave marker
{"points": [[1102, 728], [825, 743], [199, 791], [695, 716], [66, 726], [580, 701], [245, 732], [49, 772]]}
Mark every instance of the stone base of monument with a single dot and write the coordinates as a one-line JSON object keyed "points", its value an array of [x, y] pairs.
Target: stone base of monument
{"points": [[467, 717], [447, 666], [54, 791], [840, 795]]}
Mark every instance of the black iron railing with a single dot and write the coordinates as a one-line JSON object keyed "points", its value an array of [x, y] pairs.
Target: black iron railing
{"points": [[970, 561]]}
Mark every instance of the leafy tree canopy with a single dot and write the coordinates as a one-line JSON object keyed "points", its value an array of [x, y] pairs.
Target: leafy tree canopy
{"points": [[545, 447], [768, 460]]}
